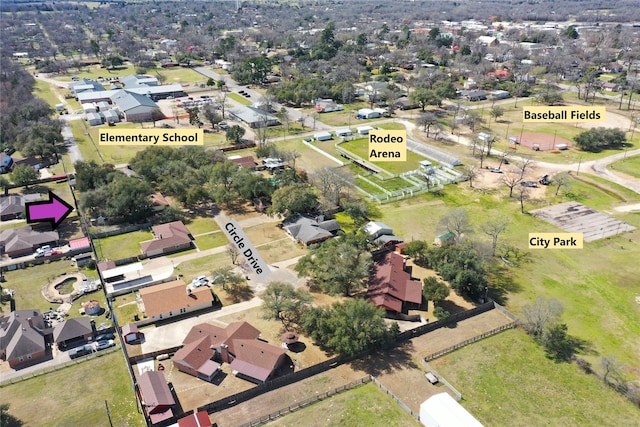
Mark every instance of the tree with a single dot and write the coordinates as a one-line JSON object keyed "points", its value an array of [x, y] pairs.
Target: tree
{"points": [[598, 139], [6, 419], [425, 97], [541, 315], [349, 328], [493, 228], [233, 253], [281, 301], [456, 222], [233, 283], [612, 373], [292, 199], [523, 195], [434, 290], [235, 133], [558, 345], [426, 120], [24, 175], [338, 266], [562, 180], [496, 112], [440, 313], [417, 250], [571, 32], [212, 115], [194, 116], [470, 172]]}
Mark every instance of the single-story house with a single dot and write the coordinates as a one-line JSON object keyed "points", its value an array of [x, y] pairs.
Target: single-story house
{"points": [[488, 41], [499, 74], [22, 337], [170, 237], [238, 345], [381, 234], [254, 117], [23, 241], [499, 94], [442, 410], [474, 95], [391, 286], [307, 230], [11, 207], [196, 358], [155, 396], [611, 87], [130, 333], [247, 162], [327, 106], [405, 103], [173, 299], [368, 113], [71, 330], [197, 419]]}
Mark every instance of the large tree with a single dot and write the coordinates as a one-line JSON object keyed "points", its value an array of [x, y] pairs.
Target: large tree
{"points": [[292, 199], [281, 301], [349, 328], [338, 266], [598, 139], [434, 290], [24, 175]]}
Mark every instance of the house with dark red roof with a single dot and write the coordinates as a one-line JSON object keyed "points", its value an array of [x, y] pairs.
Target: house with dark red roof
{"points": [[155, 397], [237, 344], [391, 286], [168, 238], [247, 162], [197, 419]]}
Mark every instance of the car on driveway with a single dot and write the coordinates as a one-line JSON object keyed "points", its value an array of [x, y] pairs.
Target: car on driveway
{"points": [[105, 337], [80, 351], [101, 345]]}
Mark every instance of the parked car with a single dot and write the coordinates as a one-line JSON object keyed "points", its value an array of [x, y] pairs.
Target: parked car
{"points": [[105, 337], [80, 351], [496, 170], [101, 345], [529, 184]]}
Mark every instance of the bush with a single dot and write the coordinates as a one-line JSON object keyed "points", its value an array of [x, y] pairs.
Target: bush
{"points": [[598, 139]]}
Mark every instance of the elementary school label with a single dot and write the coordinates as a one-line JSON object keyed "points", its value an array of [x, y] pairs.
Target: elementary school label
{"points": [[150, 136], [571, 114], [387, 145]]}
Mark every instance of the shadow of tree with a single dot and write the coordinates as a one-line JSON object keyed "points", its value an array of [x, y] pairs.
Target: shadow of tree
{"points": [[239, 293], [501, 283], [378, 363]]}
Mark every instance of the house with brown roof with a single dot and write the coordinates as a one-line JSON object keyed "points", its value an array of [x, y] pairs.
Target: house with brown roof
{"points": [[170, 237], [197, 419], [155, 397], [172, 299], [22, 338], [247, 162], [196, 358], [237, 344], [23, 241], [391, 286]]}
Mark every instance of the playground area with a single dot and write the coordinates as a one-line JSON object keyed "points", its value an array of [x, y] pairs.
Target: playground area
{"points": [[541, 141]]}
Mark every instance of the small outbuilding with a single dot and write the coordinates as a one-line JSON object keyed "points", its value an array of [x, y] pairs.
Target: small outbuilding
{"points": [[94, 119], [441, 410], [130, 333], [323, 136]]}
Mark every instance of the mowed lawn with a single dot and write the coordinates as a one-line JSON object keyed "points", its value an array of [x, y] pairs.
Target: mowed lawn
{"points": [[630, 166], [75, 396], [506, 380], [122, 246], [364, 406]]}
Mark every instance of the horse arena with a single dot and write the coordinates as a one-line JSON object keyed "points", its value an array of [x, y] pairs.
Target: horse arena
{"points": [[541, 141]]}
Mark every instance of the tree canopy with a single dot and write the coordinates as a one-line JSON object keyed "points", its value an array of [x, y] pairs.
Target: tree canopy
{"points": [[349, 328], [338, 266], [598, 139]]}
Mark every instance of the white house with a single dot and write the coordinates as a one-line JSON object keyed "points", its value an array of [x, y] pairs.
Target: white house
{"points": [[322, 136], [441, 410], [368, 113], [344, 132], [364, 130]]}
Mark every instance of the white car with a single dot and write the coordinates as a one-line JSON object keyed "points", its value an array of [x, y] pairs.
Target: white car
{"points": [[199, 282]]}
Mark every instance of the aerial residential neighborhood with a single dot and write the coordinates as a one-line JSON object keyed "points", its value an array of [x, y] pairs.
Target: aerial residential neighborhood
{"points": [[368, 213]]}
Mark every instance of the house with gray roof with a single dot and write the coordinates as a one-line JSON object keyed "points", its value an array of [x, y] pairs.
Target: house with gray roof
{"points": [[22, 337], [254, 117], [11, 207], [308, 230], [77, 329]]}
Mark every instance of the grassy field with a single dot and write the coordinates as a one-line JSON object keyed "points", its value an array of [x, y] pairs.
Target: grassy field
{"points": [[507, 380], [365, 405], [630, 166], [76, 396], [595, 284], [212, 240], [122, 246], [360, 147], [240, 99]]}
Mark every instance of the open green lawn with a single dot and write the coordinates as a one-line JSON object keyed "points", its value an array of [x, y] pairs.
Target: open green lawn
{"points": [[121, 246], [76, 395], [240, 99], [507, 380], [630, 166], [87, 147], [364, 406], [202, 225], [212, 240]]}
